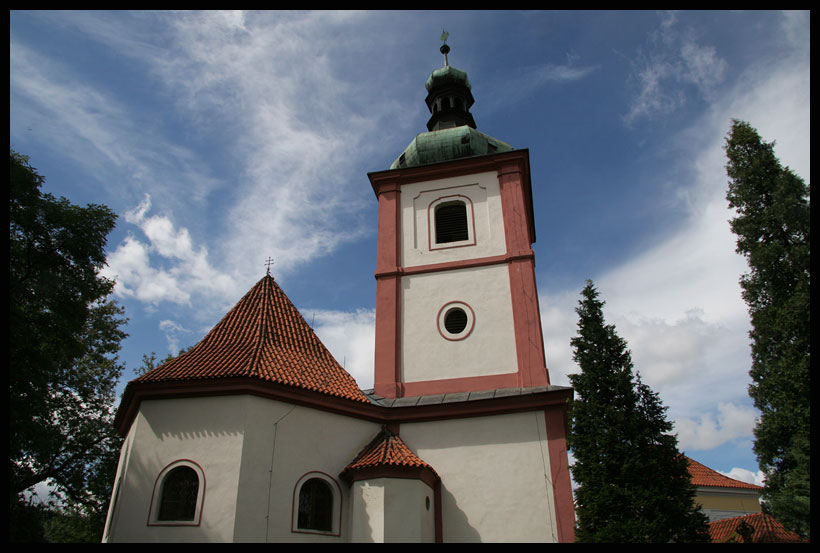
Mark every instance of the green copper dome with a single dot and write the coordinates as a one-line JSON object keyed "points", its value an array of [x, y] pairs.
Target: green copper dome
{"points": [[452, 129], [448, 144], [447, 75]]}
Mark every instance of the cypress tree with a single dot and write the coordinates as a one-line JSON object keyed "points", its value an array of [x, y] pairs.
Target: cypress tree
{"points": [[633, 484], [773, 232]]}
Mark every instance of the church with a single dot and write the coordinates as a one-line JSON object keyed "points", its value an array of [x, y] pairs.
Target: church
{"points": [[257, 434]]}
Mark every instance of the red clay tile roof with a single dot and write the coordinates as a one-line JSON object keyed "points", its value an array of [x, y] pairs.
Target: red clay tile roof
{"points": [[766, 530], [386, 450], [265, 337], [704, 476]]}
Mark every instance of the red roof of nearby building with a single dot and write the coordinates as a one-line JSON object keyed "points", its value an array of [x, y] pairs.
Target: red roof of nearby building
{"points": [[386, 450], [264, 336], [765, 529], [704, 476]]}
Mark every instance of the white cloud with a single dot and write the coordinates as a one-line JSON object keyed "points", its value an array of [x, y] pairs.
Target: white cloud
{"points": [[702, 66], [88, 119], [670, 352], [744, 475], [116, 145], [249, 79], [678, 303], [671, 62], [523, 82], [185, 271], [173, 332], [652, 98], [559, 325], [245, 80], [130, 267], [731, 422], [351, 338]]}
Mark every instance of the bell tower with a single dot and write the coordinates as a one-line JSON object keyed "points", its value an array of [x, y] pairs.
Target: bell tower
{"points": [[457, 305]]}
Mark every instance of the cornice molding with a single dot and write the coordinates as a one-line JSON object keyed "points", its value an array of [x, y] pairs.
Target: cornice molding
{"points": [[502, 163], [450, 265], [136, 392]]}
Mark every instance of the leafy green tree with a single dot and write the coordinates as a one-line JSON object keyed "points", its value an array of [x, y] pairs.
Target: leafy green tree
{"points": [[149, 361], [64, 336], [773, 233], [633, 484]]}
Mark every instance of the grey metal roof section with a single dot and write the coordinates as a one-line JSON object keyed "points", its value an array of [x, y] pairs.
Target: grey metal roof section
{"points": [[457, 397]]}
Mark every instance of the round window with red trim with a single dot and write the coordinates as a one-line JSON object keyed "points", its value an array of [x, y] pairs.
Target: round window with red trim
{"points": [[456, 320]]}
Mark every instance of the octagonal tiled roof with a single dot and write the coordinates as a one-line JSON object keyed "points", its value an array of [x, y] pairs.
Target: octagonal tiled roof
{"points": [[264, 336]]}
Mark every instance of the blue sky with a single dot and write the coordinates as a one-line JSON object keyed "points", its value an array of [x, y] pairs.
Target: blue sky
{"points": [[225, 138]]}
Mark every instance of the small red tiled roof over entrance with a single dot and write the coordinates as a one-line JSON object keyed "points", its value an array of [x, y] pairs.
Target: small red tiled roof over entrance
{"points": [[760, 527], [264, 336], [386, 450], [704, 476]]}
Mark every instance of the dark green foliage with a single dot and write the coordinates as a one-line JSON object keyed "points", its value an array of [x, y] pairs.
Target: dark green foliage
{"points": [[149, 361], [63, 339], [633, 484], [773, 232], [745, 531], [32, 522], [26, 522]]}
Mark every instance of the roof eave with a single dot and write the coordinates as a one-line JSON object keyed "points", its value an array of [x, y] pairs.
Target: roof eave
{"points": [[550, 398]]}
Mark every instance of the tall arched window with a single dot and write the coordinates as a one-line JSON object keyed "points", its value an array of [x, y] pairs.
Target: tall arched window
{"points": [[451, 222], [180, 489], [316, 506], [178, 495]]}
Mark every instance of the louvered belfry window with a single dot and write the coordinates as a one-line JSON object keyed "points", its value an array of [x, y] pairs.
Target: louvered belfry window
{"points": [[451, 222]]}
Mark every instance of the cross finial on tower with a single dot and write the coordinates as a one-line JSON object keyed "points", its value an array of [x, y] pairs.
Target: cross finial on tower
{"points": [[268, 263], [444, 48]]}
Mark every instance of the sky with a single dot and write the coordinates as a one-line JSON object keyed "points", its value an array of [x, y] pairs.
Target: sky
{"points": [[222, 139]]}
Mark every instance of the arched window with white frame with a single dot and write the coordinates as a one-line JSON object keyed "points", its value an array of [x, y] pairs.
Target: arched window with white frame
{"points": [[451, 222], [179, 492], [317, 500]]}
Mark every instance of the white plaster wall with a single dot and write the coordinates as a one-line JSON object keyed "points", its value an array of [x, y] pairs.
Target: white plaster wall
{"points": [[489, 349], [122, 466], [252, 450], [284, 442], [255, 475], [483, 191], [208, 431], [392, 510], [367, 511], [407, 518], [495, 476]]}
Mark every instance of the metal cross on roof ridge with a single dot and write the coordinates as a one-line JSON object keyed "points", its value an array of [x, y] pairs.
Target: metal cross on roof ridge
{"points": [[268, 263]]}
